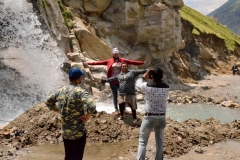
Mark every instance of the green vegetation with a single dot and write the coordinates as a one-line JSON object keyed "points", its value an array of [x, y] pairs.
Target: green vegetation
{"points": [[44, 3], [203, 24], [67, 15], [195, 32]]}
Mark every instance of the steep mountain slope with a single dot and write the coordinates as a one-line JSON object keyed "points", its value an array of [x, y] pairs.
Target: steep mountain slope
{"points": [[229, 14], [208, 47], [203, 24]]}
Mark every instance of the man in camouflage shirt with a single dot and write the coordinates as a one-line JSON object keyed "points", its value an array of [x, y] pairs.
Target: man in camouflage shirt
{"points": [[69, 101]]}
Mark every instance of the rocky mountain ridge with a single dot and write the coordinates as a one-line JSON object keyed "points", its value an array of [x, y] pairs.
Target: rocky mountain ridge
{"points": [[229, 15]]}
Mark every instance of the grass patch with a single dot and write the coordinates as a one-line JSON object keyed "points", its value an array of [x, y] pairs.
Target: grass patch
{"points": [[67, 15], [203, 24], [44, 4], [195, 32]]}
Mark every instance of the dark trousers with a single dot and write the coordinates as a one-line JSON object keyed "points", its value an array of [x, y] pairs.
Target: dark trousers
{"points": [[74, 149], [122, 109], [114, 88]]}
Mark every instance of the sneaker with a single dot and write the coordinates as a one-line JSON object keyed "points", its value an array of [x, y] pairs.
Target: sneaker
{"points": [[135, 121], [120, 118]]}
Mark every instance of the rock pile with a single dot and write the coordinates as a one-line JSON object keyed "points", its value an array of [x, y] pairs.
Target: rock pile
{"points": [[38, 126]]}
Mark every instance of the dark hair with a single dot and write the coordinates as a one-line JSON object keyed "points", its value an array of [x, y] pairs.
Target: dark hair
{"points": [[125, 63], [157, 74]]}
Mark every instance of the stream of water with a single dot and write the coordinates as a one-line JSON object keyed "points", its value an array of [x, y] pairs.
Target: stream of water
{"points": [[30, 59], [181, 113]]}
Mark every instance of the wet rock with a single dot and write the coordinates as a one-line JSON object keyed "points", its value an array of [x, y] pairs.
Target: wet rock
{"points": [[199, 150], [206, 87]]}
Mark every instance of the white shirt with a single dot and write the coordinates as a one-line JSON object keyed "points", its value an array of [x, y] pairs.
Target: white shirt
{"points": [[155, 99]]}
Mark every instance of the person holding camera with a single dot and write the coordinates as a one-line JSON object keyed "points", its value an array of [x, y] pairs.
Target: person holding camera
{"points": [[156, 93], [127, 93]]}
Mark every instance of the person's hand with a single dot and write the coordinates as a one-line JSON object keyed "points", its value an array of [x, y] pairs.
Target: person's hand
{"points": [[145, 75], [57, 111], [103, 81], [84, 118]]}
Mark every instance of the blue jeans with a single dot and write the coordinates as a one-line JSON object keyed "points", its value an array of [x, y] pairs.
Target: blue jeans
{"points": [[114, 88], [158, 123]]}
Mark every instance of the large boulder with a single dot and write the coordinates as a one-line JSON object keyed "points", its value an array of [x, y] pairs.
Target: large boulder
{"points": [[174, 3], [96, 6], [91, 45], [77, 4], [207, 53]]}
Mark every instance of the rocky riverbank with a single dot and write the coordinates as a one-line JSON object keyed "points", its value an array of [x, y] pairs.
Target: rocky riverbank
{"points": [[39, 126]]}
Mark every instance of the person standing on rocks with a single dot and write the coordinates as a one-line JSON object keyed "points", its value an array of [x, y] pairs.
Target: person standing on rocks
{"points": [[70, 101], [155, 106], [114, 68], [127, 95]]}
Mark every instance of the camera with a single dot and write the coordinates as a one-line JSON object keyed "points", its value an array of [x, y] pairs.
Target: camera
{"points": [[150, 74]]}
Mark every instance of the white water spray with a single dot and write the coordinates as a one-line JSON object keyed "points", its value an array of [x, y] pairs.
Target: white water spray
{"points": [[30, 59]]}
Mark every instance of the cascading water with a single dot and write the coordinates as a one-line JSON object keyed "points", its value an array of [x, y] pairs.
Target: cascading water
{"points": [[30, 60]]}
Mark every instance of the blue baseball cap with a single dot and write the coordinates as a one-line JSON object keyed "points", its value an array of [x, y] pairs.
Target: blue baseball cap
{"points": [[75, 73]]}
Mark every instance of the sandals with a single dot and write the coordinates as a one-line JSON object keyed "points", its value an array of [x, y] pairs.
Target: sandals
{"points": [[116, 113]]}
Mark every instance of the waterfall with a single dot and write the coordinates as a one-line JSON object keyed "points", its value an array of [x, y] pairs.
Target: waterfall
{"points": [[30, 60]]}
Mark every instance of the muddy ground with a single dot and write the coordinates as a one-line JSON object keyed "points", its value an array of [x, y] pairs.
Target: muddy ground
{"points": [[39, 126]]}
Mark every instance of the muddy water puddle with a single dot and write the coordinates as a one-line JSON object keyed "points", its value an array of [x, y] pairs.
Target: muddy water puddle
{"points": [[221, 151], [92, 151]]}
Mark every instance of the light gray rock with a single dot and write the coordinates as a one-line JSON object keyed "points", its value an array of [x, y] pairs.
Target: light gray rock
{"points": [[207, 53], [194, 67]]}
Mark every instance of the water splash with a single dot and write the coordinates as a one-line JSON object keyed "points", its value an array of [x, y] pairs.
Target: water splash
{"points": [[30, 59]]}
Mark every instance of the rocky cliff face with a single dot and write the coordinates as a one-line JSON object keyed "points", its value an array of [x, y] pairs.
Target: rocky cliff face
{"points": [[142, 29], [146, 30]]}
